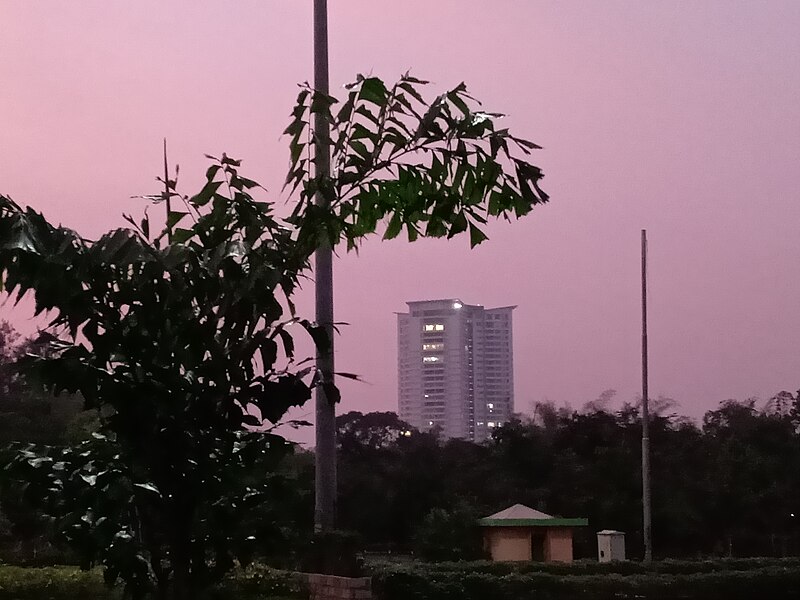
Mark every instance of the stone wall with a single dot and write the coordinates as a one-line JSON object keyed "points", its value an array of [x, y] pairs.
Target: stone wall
{"points": [[330, 587]]}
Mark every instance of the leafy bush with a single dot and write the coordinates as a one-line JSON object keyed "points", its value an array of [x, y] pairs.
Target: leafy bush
{"points": [[709, 580], [449, 535], [53, 583], [591, 567], [70, 583], [258, 581]]}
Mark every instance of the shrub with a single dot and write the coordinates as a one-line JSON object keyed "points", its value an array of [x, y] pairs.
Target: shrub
{"points": [[53, 583], [740, 579], [447, 535], [70, 583]]}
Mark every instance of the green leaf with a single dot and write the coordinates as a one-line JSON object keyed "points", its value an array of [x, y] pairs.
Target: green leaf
{"points": [[174, 217], [332, 393], [148, 487], [454, 96], [373, 90], [394, 227], [205, 195], [321, 103], [181, 236], [476, 236], [458, 224]]}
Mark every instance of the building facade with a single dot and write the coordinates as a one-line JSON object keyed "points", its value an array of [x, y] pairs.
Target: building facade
{"points": [[455, 367]]}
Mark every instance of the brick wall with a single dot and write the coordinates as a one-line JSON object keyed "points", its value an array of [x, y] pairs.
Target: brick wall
{"points": [[330, 587]]}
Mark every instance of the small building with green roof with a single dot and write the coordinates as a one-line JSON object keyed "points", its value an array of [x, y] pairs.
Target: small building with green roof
{"points": [[520, 533]]}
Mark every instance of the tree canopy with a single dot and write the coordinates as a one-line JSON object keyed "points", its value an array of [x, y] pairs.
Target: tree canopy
{"points": [[727, 486], [178, 340], [179, 336]]}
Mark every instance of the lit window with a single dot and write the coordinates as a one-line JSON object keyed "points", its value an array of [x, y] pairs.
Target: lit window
{"points": [[437, 346], [430, 359], [434, 327], [491, 423], [490, 405]]}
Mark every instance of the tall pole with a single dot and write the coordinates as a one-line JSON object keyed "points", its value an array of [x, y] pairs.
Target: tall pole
{"points": [[325, 452], [167, 193], [646, 519]]}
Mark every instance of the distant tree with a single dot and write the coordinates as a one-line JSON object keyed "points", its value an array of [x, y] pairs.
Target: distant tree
{"points": [[371, 431], [753, 476], [28, 412], [729, 487]]}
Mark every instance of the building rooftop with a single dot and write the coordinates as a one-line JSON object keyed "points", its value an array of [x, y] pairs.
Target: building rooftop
{"points": [[520, 515]]}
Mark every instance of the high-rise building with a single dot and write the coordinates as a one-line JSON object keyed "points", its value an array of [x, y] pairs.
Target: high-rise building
{"points": [[455, 367]]}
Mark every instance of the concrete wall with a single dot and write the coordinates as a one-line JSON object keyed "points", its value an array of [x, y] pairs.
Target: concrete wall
{"points": [[508, 543], [558, 545], [330, 587]]}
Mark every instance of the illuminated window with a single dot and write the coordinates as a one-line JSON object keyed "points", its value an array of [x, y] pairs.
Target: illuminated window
{"points": [[430, 359], [437, 346], [490, 405], [491, 424], [434, 327]]}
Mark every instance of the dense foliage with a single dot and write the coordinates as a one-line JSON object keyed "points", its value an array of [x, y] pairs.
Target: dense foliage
{"points": [[735, 579], [435, 168], [27, 411], [726, 487], [723, 580], [70, 583], [175, 339], [179, 339]]}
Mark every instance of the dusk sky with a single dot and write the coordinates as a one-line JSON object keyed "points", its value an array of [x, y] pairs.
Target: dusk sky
{"points": [[682, 118]]}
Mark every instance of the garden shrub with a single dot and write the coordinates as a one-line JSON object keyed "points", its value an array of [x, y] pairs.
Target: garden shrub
{"points": [[739, 579], [70, 583], [53, 583]]}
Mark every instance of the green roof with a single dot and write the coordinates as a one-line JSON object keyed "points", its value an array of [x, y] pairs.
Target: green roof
{"points": [[520, 515]]}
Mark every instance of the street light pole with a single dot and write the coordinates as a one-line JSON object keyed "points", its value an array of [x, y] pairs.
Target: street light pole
{"points": [[646, 518], [325, 451]]}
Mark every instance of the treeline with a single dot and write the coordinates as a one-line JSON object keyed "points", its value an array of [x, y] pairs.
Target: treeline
{"points": [[729, 486]]}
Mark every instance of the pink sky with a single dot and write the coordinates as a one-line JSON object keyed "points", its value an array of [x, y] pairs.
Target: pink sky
{"points": [[679, 117]]}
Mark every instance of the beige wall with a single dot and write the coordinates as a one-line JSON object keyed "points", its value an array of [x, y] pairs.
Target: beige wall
{"points": [[514, 543], [558, 545], [508, 543]]}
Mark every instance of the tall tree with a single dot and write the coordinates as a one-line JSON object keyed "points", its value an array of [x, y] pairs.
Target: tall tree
{"points": [[178, 340], [436, 168]]}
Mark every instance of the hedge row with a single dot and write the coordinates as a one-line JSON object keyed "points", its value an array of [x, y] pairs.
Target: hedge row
{"points": [[70, 583], [667, 580], [53, 583], [775, 582], [588, 567]]}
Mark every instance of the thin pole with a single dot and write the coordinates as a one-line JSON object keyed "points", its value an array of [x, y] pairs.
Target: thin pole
{"points": [[646, 528], [325, 452], [167, 193]]}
